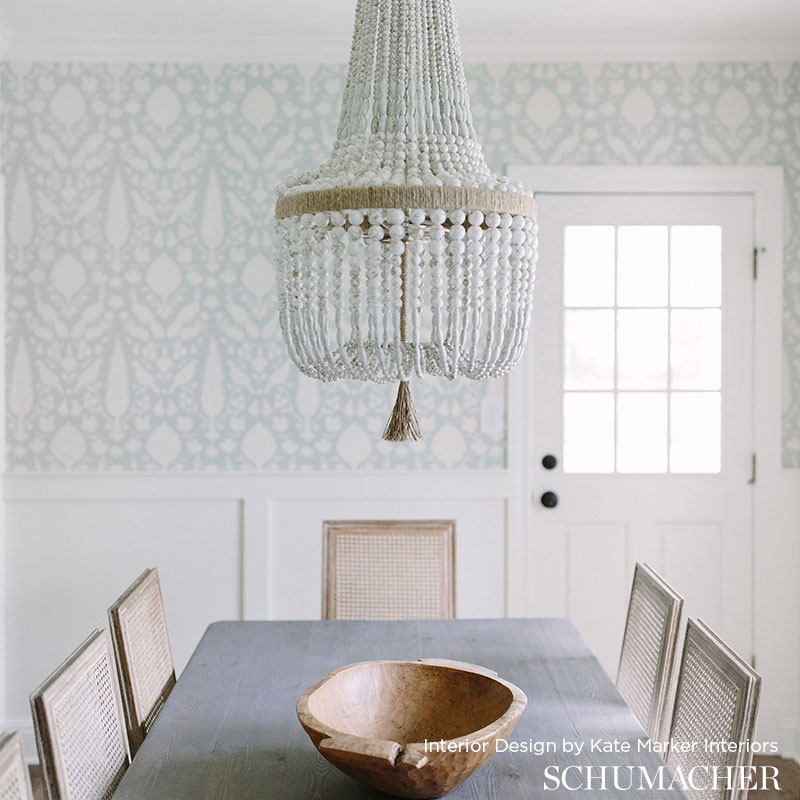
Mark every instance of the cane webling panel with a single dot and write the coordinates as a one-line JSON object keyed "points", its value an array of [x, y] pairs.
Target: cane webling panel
{"points": [[144, 657], [80, 730], [389, 570]]}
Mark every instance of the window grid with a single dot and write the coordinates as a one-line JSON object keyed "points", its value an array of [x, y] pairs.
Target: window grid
{"points": [[668, 391]]}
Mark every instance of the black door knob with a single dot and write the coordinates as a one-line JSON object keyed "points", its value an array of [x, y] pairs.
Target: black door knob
{"points": [[549, 499], [549, 461]]}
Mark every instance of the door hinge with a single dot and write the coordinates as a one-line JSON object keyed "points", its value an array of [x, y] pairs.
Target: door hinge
{"points": [[756, 251], [753, 469]]}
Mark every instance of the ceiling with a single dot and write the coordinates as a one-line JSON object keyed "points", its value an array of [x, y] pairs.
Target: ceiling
{"points": [[319, 30]]}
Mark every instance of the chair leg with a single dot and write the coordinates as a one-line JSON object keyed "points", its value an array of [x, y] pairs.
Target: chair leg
{"points": [[39, 792]]}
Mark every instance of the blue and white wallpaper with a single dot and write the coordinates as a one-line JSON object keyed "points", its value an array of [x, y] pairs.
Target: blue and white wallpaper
{"points": [[142, 330]]}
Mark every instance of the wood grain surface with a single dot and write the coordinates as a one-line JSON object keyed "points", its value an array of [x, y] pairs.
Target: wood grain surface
{"points": [[229, 728]]}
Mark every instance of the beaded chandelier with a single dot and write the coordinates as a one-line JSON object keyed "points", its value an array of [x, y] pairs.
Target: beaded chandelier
{"points": [[403, 253]]}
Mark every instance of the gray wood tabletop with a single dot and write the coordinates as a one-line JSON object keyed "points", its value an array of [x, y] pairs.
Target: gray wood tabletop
{"points": [[229, 728]]}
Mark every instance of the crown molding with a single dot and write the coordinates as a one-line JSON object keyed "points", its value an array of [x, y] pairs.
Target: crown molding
{"points": [[553, 50], [283, 50], [189, 49]]}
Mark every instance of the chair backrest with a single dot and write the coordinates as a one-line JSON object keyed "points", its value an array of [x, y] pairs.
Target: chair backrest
{"points": [[388, 570], [144, 658], [80, 730], [15, 780], [716, 701], [649, 648]]}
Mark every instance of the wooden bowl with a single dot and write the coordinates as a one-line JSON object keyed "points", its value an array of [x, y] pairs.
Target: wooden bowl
{"points": [[372, 720]]}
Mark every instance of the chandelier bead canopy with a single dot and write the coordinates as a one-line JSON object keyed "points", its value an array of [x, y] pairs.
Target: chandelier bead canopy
{"points": [[403, 254]]}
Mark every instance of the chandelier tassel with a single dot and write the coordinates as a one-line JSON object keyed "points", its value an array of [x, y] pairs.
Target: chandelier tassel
{"points": [[403, 425]]}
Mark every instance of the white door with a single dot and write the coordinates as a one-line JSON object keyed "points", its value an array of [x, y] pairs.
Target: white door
{"points": [[640, 366]]}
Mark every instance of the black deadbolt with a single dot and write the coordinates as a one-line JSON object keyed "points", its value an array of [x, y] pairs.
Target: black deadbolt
{"points": [[549, 499], [549, 461]]}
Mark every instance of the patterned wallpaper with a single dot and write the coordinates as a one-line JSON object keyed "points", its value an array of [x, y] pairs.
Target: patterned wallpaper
{"points": [[141, 323]]}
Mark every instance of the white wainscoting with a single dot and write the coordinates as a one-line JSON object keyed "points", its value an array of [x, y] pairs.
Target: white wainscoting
{"points": [[590, 569], [226, 546], [248, 546]]}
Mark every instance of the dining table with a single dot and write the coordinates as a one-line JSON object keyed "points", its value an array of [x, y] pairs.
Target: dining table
{"points": [[229, 729]]}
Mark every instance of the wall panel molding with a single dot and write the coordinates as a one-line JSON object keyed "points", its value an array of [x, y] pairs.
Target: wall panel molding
{"points": [[19, 487], [77, 526]]}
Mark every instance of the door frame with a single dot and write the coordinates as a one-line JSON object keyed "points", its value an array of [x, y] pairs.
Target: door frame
{"points": [[765, 185]]}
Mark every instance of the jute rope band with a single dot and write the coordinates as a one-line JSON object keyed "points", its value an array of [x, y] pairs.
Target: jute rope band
{"points": [[444, 197]]}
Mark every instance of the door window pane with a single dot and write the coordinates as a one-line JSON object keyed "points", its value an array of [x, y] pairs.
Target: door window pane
{"points": [[642, 265], [589, 265], [589, 350], [642, 349], [696, 349], [642, 432], [696, 265], [589, 432], [695, 432]]}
